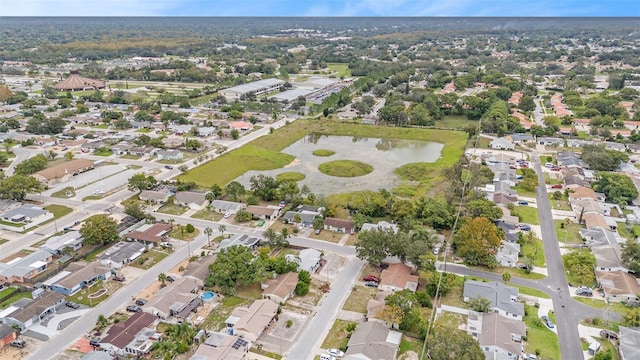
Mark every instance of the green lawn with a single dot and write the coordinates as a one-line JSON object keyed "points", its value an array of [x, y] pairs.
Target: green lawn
{"points": [[290, 176], [322, 152], [207, 215], [81, 296], [104, 153], [455, 122], [180, 233], [338, 335], [341, 69], [2, 241], [600, 304], [526, 214], [58, 210], [539, 336], [570, 234], [63, 193], [524, 192], [410, 344], [149, 259], [144, 130], [130, 157], [535, 251], [345, 168], [7, 292], [172, 209], [15, 297]]}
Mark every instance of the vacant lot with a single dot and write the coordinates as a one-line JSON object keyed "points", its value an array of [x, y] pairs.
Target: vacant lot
{"points": [[359, 299], [338, 335]]}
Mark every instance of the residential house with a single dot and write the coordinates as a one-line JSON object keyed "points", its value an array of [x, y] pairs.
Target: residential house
{"points": [[502, 144], [122, 253], [597, 236], [251, 242], [398, 277], [504, 199], [7, 334], [241, 125], [268, 212], [609, 258], [615, 146], [499, 337], [581, 193], [97, 355], [63, 171], [155, 196], [302, 218], [206, 131], [381, 225], [519, 138], [132, 337], [191, 199], [508, 254], [629, 348], [577, 143], [373, 341], [507, 218], [121, 148], [144, 151], [281, 288], [44, 141], [24, 215], [56, 245], [150, 233], [173, 155], [23, 269], [618, 286], [592, 219], [172, 142], [34, 312], [375, 306], [249, 323], [307, 259], [81, 274], [339, 225], [503, 299], [223, 207], [222, 346], [548, 141], [178, 299]]}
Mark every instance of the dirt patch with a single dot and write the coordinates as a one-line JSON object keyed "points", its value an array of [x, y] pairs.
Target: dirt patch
{"points": [[295, 162]]}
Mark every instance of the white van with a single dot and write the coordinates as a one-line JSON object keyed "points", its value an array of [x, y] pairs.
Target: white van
{"points": [[549, 165]]}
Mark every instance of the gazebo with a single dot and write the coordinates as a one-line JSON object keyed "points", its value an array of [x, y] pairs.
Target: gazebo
{"points": [[77, 82]]}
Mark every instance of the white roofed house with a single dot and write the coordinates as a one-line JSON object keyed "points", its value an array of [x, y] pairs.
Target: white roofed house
{"points": [[191, 199], [249, 323], [223, 206], [25, 216], [178, 299], [499, 337], [307, 259], [502, 144], [56, 244], [174, 155], [508, 254], [122, 253], [23, 269], [268, 212], [379, 225], [503, 299]]}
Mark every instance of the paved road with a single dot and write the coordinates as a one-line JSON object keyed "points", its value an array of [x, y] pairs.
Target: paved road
{"points": [[538, 113], [22, 154]]}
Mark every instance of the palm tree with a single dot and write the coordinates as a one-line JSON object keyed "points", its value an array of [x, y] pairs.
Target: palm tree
{"points": [[102, 322], [208, 231], [222, 229], [162, 277], [506, 276]]}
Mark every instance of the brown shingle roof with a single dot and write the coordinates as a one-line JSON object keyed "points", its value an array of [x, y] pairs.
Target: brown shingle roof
{"points": [[77, 82], [399, 275], [122, 333], [67, 167], [282, 285], [155, 233], [582, 192], [339, 223], [37, 306]]}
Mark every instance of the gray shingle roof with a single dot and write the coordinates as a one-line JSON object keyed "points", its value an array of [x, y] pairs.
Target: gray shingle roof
{"points": [[500, 295]]}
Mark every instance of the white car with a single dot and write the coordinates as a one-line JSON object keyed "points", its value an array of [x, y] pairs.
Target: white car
{"points": [[327, 357], [227, 215], [335, 352]]}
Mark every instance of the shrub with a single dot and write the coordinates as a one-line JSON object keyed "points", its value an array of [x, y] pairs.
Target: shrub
{"points": [[189, 228], [288, 323], [302, 288]]}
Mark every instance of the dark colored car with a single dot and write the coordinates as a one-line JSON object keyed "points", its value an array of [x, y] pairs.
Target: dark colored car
{"points": [[525, 227], [168, 167], [141, 302], [608, 334], [134, 308], [523, 202], [371, 284], [95, 342], [547, 322], [371, 278], [72, 305], [556, 186], [171, 278]]}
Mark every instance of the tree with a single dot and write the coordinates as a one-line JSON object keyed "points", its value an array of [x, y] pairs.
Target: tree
{"points": [[301, 288], [208, 231], [243, 216], [631, 318], [618, 188], [190, 228], [102, 322], [477, 241], [235, 134], [480, 304], [141, 182], [234, 189], [234, 266], [31, 165], [374, 245], [434, 213], [580, 264], [216, 191], [304, 276], [193, 144], [527, 104], [135, 210], [506, 277], [276, 241], [68, 156], [16, 187], [448, 343], [162, 277], [484, 208], [631, 255], [5, 93], [99, 230], [222, 229], [601, 159]]}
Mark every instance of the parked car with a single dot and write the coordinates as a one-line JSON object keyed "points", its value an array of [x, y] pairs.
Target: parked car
{"points": [[525, 227], [371, 284], [335, 352], [556, 186], [524, 267], [371, 278], [555, 168], [327, 357], [72, 305], [260, 223], [168, 167], [584, 291], [171, 278], [547, 321], [318, 231], [19, 343], [523, 202], [134, 308], [141, 302], [227, 215], [282, 204], [95, 342], [607, 334], [118, 277], [549, 165]]}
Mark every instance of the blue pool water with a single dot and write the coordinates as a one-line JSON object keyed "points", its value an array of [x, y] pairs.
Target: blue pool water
{"points": [[207, 295]]}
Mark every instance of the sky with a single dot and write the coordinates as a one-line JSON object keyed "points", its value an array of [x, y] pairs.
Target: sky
{"points": [[319, 8]]}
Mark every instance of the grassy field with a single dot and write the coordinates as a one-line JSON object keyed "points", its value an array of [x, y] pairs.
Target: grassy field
{"points": [[149, 259], [570, 234], [207, 215], [526, 214], [172, 209], [524, 192], [337, 337], [290, 176], [215, 321], [179, 232], [345, 168], [535, 251], [322, 152], [600, 304], [264, 152], [539, 336], [455, 122], [359, 299], [409, 344], [63, 193], [342, 70], [15, 297]]}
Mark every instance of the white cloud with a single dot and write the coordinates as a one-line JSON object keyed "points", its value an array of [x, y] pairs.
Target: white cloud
{"points": [[87, 7]]}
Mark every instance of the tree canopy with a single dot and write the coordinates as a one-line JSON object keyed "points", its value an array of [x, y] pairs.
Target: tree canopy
{"points": [[618, 188], [99, 230], [601, 159], [477, 241], [234, 266]]}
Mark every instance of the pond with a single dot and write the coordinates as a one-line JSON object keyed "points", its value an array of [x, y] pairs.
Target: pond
{"points": [[385, 155]]}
